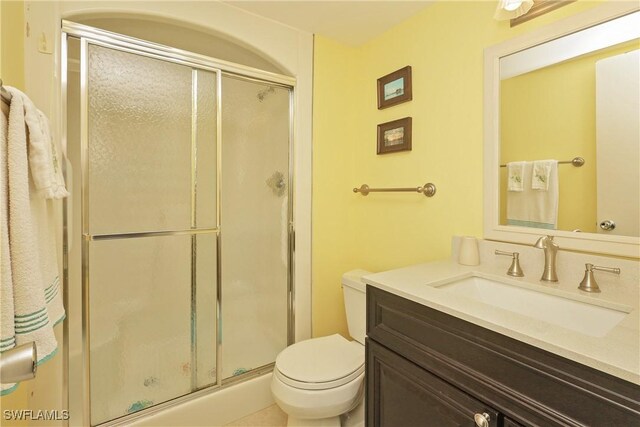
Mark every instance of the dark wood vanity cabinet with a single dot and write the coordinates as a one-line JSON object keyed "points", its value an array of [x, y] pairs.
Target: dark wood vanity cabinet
{"points": [[427, 368], [405, 394]]}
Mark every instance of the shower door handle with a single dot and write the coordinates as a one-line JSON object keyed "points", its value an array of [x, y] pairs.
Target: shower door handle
{"points": [[608, 225]]}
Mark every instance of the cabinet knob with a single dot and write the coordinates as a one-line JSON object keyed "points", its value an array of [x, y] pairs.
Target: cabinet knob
{"points": [[482, 420]]}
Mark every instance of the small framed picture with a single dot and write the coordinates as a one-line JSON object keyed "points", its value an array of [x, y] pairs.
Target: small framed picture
{"points": [[394, 88], [394, 136]]}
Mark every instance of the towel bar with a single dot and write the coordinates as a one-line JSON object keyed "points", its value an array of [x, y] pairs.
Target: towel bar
{"points": [[19, 363], [428, 190], [576, 161]]}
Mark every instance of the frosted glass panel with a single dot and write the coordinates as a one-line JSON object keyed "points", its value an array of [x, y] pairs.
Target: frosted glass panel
{"points": [[141, 323], [152, 163], [140, 299], [255, 153], [206, 154], [140, 142], [205, 318]]}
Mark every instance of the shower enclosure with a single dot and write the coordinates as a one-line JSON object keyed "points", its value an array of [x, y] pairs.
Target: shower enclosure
{"points": [[178, 243]]}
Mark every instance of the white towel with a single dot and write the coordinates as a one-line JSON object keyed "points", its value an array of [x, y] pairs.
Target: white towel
{"points": [[44, 162], [7, 335], [541, 173], [31, 296], [534, 208], [515, 176]]}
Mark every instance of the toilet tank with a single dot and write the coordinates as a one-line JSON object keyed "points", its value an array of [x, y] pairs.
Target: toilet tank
{"points": [[355, 303]]}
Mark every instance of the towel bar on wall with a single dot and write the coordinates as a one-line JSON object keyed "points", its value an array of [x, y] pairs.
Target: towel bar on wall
{"points": [[428, 190], [19, 363], [576, 161]]}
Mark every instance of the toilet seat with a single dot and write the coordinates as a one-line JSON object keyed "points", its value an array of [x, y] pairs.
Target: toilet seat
{"points": [[305, 385], [320, 363]]}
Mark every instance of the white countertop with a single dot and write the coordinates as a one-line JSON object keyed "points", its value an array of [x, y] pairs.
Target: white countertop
{"points": [[617, 353]]}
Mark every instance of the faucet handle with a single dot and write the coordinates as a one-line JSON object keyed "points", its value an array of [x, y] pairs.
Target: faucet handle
{"points": [[613, 270], [514, 270], [589, 283]]}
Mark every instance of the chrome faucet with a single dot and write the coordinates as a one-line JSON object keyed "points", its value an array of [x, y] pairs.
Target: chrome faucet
{"points": [[550, 250]]}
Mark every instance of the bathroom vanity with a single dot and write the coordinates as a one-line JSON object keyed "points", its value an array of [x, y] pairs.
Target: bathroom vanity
{"points": [[439, 354], [425, 367]]}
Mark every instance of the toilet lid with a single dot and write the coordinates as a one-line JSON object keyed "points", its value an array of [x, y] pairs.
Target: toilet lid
{"points": [[321, 360]]}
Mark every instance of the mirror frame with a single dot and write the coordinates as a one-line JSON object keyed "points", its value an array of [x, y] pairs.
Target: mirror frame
{"points": [[586, 242]]}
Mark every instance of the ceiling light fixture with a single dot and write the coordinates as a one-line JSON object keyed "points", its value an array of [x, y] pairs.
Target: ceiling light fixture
{"points": [[509, 9]]}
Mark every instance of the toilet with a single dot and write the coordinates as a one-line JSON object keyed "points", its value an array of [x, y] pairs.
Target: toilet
{"points": [[321, 380]]}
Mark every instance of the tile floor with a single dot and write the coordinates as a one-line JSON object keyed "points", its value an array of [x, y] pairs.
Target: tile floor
{"points": [[268, 417]]}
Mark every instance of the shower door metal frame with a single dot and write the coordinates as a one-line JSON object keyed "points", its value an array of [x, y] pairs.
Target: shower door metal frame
{"points": [[93, 36]]}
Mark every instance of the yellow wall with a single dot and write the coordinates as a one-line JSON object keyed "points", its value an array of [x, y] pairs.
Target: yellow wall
{"points": [[336, 85], [444, 45], [550, 114], [12, 43]]}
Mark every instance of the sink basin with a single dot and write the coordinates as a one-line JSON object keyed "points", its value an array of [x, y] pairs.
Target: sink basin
{"points": [[578, 316]]}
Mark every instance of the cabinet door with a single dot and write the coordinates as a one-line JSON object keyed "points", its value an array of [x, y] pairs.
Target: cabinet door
{"points": [[400, 393]]}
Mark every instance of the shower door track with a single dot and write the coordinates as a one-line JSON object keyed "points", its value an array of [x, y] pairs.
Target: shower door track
{"points": [[89, 35], [178, 56]]}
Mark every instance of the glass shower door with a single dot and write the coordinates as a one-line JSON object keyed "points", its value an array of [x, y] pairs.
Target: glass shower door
{"points": [[150, 228], [179, 254], [255, 218]]}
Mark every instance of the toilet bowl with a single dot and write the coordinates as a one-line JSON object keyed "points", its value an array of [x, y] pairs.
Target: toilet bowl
{"points": [[320, 378], [316, 381]]}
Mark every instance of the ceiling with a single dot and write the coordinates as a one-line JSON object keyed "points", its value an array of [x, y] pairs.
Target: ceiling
{"points": [[347, 21]]}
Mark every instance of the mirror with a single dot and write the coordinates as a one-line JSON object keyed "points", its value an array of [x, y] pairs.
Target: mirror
{"points": [[585, 107], [562, 133]]}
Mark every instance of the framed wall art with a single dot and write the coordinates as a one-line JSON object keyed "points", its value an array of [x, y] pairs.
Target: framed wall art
{"points": [[394, 136], [394, 88]]}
